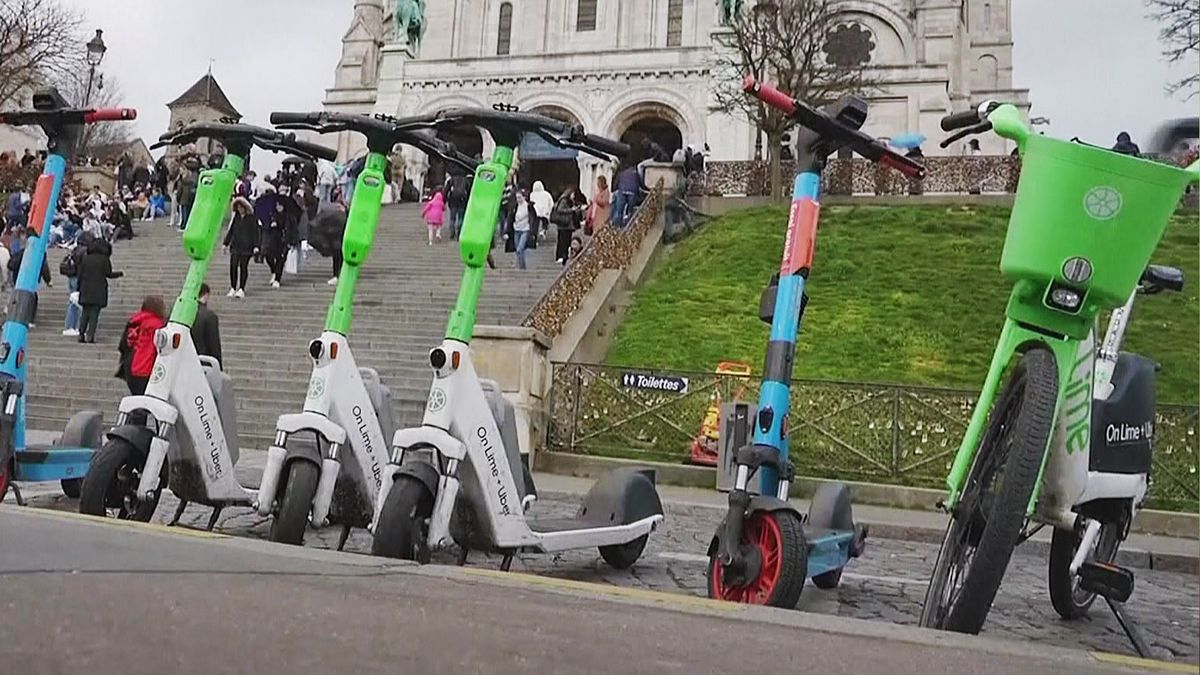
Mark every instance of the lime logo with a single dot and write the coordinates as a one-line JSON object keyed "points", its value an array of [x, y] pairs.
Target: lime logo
{"points": [[159, 374], [1102, 202], [316, 388], [437, 400]]}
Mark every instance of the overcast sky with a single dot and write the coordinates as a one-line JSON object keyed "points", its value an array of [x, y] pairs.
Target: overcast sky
{"points": [[280, 55]]}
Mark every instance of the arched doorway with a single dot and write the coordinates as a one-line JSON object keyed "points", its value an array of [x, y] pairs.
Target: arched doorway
{"points": [[556, 167], [467, 140], [651, 131]]}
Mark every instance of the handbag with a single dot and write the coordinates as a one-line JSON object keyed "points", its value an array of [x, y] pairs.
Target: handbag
{"points": [[291, 265]]}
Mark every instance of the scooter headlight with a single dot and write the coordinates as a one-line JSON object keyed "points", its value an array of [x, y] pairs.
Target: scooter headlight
{"points": [[1066, 299]]}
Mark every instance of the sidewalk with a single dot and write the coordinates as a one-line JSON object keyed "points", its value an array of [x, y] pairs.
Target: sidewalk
{"points": [[1139, 550]]}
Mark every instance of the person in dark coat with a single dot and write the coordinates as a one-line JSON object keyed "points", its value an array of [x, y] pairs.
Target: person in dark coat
{"points": [[274, 241], [1126, 146], [243, 241], [206, 329], [14, 267], [566, 216], [94, 272]]}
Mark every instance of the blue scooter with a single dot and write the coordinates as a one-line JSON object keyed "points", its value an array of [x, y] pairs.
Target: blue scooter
{"points": [[763, 551], [67, 461]]}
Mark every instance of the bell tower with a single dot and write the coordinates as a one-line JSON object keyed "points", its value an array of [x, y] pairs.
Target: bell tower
{"points": [[357, 74]]}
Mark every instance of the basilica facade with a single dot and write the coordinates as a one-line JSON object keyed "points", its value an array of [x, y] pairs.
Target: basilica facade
{"points": [[647, 68]]}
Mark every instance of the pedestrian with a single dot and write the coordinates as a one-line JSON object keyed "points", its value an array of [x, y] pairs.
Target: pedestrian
{"points": [[274, 241], [157, 206], [566, 216], [14, 269], [628, 186], [518, 237], [137, 344], [543, 205], [94, 272], [326, 178], [1126, 146], [206, 329], [434, 213], [69, 268], [458, 191], [187, 194], [974, 171], [27, 158], [601, 208], [326, 233], [576, 247], [242, 241]]}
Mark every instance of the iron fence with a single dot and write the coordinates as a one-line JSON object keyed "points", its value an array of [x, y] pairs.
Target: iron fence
{"points": [[881, 433]]}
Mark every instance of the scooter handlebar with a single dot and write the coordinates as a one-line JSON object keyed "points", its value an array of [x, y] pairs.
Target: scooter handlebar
{"points": [[110, 115], [960, 120], [769, 95], [313, 150], [281, 118], [606, 145]]}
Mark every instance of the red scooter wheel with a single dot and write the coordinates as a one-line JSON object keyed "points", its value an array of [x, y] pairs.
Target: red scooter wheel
{"points": [[5, 472], [778, 537]]}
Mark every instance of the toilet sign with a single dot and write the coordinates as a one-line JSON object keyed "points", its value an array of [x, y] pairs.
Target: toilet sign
{"points": [[667, 383]]}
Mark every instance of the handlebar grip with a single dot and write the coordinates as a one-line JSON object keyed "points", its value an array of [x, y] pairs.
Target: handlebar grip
{"points": [[110, 115], [295, 118], [315, 150], [769, 95], [960, 120], [606, 145]]}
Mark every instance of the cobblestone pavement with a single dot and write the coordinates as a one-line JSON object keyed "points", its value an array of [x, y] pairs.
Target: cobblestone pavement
{"points": [[886, 584]]}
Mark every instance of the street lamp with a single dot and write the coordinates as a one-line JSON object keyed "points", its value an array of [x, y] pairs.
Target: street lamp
{"points": [[95, 54]]}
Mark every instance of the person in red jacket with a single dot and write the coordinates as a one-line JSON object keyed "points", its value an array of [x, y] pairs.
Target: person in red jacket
{"points": [[137, 344]]}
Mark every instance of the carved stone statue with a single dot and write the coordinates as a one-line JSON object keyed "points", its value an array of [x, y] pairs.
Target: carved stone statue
{"points": [[729, 9], [410, 22]]}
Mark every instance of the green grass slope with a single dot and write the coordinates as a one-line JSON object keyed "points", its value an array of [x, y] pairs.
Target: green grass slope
{"points": [[898, 294]]}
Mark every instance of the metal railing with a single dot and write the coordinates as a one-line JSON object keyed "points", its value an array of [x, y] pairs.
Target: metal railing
{"points": [[881, 433]]}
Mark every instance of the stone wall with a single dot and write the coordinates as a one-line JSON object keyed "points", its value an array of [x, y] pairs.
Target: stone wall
{"points": [[610, 248]]}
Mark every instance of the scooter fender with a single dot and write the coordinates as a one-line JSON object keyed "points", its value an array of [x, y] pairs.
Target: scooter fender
{"points": [[757, 503], [621, 497], [135, 435], [422, 471]]}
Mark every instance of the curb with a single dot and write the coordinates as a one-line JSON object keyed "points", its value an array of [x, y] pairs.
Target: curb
{"points": [[1162, 523]]}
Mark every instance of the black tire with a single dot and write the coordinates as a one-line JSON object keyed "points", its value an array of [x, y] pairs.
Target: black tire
{"points": [[404, 521], [987, 521], [110, 486], [71, 487], [1069, 600], [829, 580], [300, 486], [6, 475], [830, 510], [622, 556], [792, 569]]}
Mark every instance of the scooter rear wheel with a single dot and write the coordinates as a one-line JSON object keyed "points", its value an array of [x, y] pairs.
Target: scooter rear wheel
{"points": [[987, 521], [622, 556], [1069, 600], [403, 526], [778, 537], [110, 487], [291, 521], [71, 487]]}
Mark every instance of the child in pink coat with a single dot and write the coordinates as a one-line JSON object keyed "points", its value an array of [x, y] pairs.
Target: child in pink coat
{"points": [[433, 213]]}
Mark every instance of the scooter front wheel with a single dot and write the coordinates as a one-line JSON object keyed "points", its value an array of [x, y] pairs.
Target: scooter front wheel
{"points": [[71, 487], [300, 487], [403, 527], [987, 521], [110, 487], [777, 538]]}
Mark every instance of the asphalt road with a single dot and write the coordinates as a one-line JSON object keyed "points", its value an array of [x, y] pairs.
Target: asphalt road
{"points": [[79, 595]]}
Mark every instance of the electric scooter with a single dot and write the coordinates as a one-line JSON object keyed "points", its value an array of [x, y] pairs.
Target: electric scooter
{"points": [[305, 478], [763, 550], [1067, 441], [67, 460], [419, 507], [186, 420]]}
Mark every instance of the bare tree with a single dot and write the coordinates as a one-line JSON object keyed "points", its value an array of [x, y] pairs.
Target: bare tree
{"points": [[39, 43], [1180, 33], [804, 48], [106, 93]]}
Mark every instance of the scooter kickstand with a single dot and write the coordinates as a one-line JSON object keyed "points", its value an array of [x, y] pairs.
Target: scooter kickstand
{"points": [[344, 536], [1131, 630], [178, 513], [17, 493], [212, 520], [462, 556], [506, 564]]}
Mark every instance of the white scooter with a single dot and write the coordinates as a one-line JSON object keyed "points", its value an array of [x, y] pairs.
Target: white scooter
{"points": [[459, 443], [305, 479], [188, 397]]}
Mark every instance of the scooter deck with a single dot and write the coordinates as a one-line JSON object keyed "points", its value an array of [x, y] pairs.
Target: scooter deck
{"points": [[38, 463], [548, 525], [828, 550]]}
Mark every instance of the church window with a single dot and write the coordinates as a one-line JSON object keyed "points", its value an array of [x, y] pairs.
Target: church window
{"points": [[504, 41], [849, 46], [674, 23], [987, 15], [585, 17]]}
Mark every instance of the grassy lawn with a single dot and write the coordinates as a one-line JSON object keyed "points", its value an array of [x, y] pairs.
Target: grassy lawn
{"points": [[898, 294]]}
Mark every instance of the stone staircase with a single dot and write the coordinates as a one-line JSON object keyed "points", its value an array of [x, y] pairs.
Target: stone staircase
{"points": [[404, 298]]}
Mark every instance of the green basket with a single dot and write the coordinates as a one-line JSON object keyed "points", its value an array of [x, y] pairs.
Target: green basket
{"points": [[1080, 204]]}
